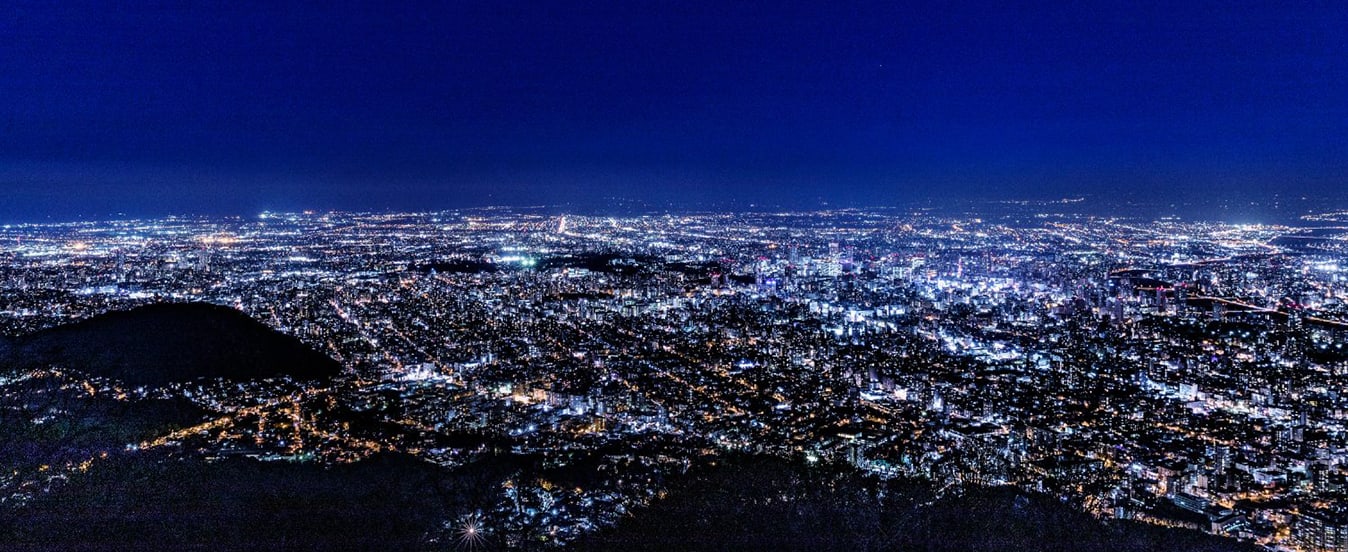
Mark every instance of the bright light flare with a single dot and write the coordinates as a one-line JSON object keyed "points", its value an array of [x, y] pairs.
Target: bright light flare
{"points": [[470, 533]]}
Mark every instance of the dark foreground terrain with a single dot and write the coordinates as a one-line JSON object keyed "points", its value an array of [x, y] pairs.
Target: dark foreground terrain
{"points": [[397, 503], [758, 503]]}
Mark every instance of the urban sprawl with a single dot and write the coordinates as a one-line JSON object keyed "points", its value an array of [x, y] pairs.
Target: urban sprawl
{"points": [[1176, 372]]}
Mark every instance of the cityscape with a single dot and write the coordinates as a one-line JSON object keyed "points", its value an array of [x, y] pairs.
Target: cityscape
{"points": [[693, 276], [1179, 373]]}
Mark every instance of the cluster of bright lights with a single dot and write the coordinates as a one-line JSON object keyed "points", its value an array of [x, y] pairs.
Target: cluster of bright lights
{"points": [[522, 260]]}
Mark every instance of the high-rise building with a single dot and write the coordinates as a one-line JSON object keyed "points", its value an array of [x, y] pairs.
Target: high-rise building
{"points": [[1321, 530]]}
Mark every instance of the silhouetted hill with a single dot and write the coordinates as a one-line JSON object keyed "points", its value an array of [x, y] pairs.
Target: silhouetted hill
{"points": [[164, 343], [759, 503]]}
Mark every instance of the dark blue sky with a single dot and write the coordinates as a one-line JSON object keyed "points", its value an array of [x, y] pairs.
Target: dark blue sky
{"points": [[153, 108]]}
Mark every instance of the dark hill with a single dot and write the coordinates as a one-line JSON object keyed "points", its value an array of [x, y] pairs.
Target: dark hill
{"points": [[759, 503], [172, 342]]}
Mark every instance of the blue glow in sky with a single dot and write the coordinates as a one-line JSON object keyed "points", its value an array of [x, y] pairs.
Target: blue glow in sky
{"points": [[234, 107]]}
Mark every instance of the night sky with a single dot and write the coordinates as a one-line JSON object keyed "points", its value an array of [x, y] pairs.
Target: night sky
{"points": [[149, 108]]}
